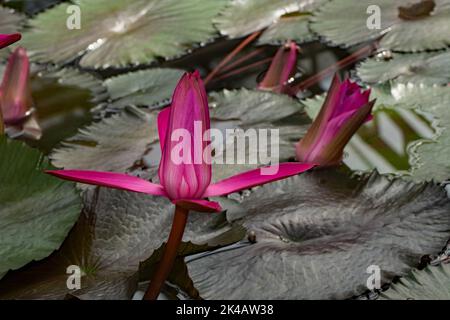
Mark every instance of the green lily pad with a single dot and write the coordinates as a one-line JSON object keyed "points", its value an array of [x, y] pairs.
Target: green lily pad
{"points": [[243, 17], [418, 68], [151, 88], [317, 234], [432, 283], [114, 144], [429, 157], [291, 27], [116, 231], [120, 33], [345, 23], [72, 77], [10, 21], [37, 210]]}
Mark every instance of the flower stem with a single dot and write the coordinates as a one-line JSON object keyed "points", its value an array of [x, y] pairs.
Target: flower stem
{"points": [[347, 61], [169, 255], [231, 55]]}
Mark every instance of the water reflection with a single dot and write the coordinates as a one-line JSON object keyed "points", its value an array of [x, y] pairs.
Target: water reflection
{"points": [[383, 143]]}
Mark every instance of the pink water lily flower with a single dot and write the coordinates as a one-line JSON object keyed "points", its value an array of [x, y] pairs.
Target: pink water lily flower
{"points": [[15, 92], [345, 109], [281, 70], [187, 183], [16, 103], [7, 39]]}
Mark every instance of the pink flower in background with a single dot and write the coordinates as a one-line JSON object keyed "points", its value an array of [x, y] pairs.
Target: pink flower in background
{"points": [[186, 184], [15, 92], [345, 109], [7, 39], [282, 68]]}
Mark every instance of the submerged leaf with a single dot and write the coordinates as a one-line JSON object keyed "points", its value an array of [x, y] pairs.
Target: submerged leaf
{"points": [[417, 68], [291, 27], [347, 23], [37, 211], [316, 235], [122, 32], [432, 283]]}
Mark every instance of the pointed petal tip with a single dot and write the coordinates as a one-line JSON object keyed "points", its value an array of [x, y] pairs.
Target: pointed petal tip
{"points": [[196, 74], [8, 39]]}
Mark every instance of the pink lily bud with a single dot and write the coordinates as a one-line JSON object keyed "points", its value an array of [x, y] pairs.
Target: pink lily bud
{"points": [[282, 68], [345, 109], [15, 92], [7, 39], [184, 171]]}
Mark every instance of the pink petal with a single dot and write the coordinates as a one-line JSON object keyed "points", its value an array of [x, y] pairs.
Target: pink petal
{"points": [[163, 125], [7, 39], [183, 171], [255, 178], [199, 205], [281, 69], [112, 180], [15, 91]]}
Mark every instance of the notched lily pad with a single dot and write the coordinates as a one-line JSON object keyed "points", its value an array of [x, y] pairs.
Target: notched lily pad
{"points": [[151, 88], [429, 157], [316, 234], [120, 33], [243, 17], [432, 283], [37, 211], [113, 144], [347, 23], [418, 68]]}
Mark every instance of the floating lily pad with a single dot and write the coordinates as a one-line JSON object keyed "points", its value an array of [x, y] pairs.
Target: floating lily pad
{"points": [[417, 68], [116, 231], [432, 283], [37, 210], [346, 23], [75, 78], [429, 158], [122, 32], [291, 27], [151, 88], [243, 17], [114, 144], [316, 234]]}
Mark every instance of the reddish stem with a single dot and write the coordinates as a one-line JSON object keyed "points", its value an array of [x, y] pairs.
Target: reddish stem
{"points": [[242, 59], [244, 68], [169, 255], [231, 55], [347, 61]]}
